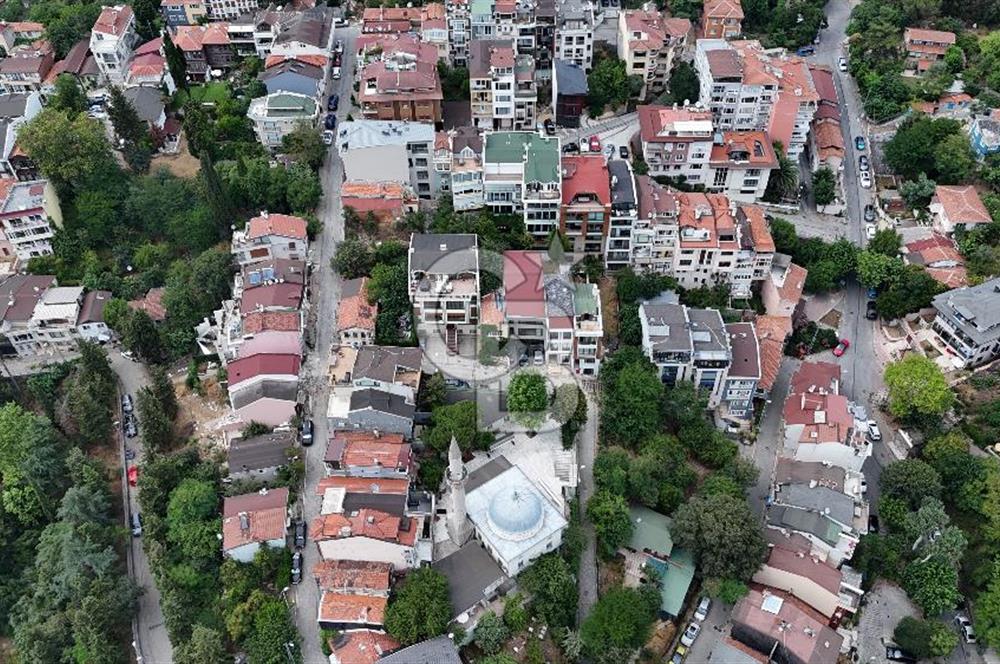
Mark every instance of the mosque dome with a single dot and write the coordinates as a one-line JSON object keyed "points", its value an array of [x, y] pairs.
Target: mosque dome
{"points": [[515, 513]]}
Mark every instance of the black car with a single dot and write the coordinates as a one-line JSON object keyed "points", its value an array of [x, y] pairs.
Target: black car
{"points": [[870, 312], [300, 534], [336, 59], [330, 122], [623, 151], [306, 433], [331, 102], [131, 430], [873, 523], [297, 567], [550, 127], [571, 148], [863, 163], [869, 213], [129, 454]]}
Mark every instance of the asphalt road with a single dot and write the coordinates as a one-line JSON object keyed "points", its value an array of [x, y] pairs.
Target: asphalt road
{"points": [[152, 644], [324, 293]]}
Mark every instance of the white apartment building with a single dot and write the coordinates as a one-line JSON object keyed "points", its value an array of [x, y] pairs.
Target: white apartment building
{"points": [[654, 234], [444, 280], [575, 32], [677, 142], [29, 214], [648, 42], [740, 164], [502, 86], [277, 114], [459, 31], [391, 151], [230, 10], [112, 42], [466, 148], [624, 215], [747, 88], [521, 175]]}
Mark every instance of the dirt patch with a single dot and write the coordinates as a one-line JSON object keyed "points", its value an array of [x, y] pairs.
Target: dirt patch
{"points": [[663, 636], [519, 645], [197, 414], [610, 575], [182, 164], [609, 307], [831, 319]]}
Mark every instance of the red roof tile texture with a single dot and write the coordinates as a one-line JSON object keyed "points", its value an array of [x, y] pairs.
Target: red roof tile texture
{"points": [[265, 518], [283, 225], [262, 364]]}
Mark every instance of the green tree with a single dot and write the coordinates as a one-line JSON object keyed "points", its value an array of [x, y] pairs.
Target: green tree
{"points": [[953, 160], [917, 388], [433, 392], [727, 591], [303, 190], [515, 615], [216, 192], [627, 417], [910, 480], [876, 270], [723, 534], [552, 585], [73, 152], [305, 145], [914, 147], [157, 426], [206, 646], [129, 127], [491, 633], [912, 289], [612, 524], [162, 388], [620, 619], [527, 398], [611, 466], [987, 611], [192, 520], [459, 421], [419, 608], [608, 85], [784, 180], [273, 631], [886, 242], [140, 335], [824, 184], [933, 585], [917, 193], [924, 639], [684, 85], [68, 97], [353, 259]]}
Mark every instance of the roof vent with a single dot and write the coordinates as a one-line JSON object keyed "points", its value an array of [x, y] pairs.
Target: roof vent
{"points": [[244, 521]]}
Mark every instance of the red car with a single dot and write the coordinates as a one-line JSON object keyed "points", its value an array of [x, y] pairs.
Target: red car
{"points": [[133, 475], [842, 347], [595, 144]]}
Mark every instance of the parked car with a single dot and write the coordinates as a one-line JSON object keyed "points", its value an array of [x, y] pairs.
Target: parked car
{"points": [[704, 606], [330, 121], [842, 63], [133, 475], [339, 48], [136, 524], [841, 347], [297, 567], [126, 403], [690, 634], [595, 144], [129, 454], [336, 74], [336, 59], [539, 358], [328, 138], [131, 429], [873, 523], [571, 148], [871, 293], [870, 213], [894, 654], [609, 151], [336, 101], [859, 143], [965, 627], [863, 163], [306, 433], [523, 361], [129, 355], [300, 534], [331, 102], [870, 231], [456, 383], [550, 127], [623, 151], [871, 310], [804, 51], [873, 431], [866, 180]]}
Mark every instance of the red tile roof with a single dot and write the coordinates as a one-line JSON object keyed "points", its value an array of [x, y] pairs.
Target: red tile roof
{"points": [[760, 234], [807, 567], [489, 312], [266, 517], [747, 149], [245, 368], [364, 523], [362, 646], [151, 303], [723, 9], [261, 321], [152, 46], [524, 289], [940, 259], [795, 281], [771, 334], [363, 485], [284, 295], [355, 312], [113, 20], [284, 225], [585, 174], [314, 60], [357, 609], [816, 377], [961, 205], [348, 575], [803, 632], [934, 37], [654, 120]]}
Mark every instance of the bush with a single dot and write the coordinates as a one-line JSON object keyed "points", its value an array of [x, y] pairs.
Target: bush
{"points": [[924, 638]]}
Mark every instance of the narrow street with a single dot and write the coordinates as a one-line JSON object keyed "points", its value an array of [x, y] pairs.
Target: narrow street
{"points": [[586, 450], [324, 293], [152, 643]]}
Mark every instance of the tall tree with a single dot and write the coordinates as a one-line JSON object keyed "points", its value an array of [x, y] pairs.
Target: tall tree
{"points": [[216, 192], [73, 152], [917, 388], [68, 96], [419, 608], [723, 534], [612, 524], [163, 390]]}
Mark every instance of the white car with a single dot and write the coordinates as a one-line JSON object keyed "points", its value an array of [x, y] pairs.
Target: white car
{"points": [[328, 137], [842, 63], [539, 358], [873, 431], [870, 231], [336, 73], [704, 606], [866, 179], [690, 634], [965, 626]]}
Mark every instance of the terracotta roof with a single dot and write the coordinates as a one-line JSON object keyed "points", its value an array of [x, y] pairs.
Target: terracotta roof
{"points": [[384, 190], [933, 36], [347, 575], [655, 200], [358, 609], [795, 281], [771, 334], [501, 57], [828, 135], [356, 312], [760, 234], [710, 214], [364, 485], [940, 259], [657, 120], [266, 518], [261, 321], [803, 632], [724, 63], [822, 79], [284, 225], [151, 303], [746, 149], [364, 523], [113, 20], [961, 205], [585, 174], [286, 295], [807, 567], [245, 368], [314, 60], [816, 376], [152, 46], [362, 646], [723, 9], [489, 312], [381, 453], [524, 290]]}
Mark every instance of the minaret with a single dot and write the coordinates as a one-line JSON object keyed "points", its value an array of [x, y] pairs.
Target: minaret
{"points": [[458, 522]]}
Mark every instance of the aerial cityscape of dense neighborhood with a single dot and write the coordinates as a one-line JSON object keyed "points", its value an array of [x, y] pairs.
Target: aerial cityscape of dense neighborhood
{"points": [[500, 332]]}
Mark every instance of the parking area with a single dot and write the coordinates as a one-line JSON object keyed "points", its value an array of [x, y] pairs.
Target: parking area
{"points": [[883, 606]]}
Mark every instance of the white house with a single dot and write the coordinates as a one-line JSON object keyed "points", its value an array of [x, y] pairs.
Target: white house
{"points": [[112, 42]]}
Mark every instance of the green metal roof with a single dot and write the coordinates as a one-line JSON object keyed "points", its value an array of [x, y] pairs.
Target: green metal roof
{"points": [[479, 7], [540, 155], [288, 104], [650, 530], [675, 580], [585, 302]]}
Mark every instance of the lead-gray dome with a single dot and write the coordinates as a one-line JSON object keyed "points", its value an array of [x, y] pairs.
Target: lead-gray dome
{"points": [[516, 513]]}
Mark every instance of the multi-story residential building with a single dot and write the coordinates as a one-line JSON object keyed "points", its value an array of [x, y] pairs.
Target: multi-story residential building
{"points": [[78, 63], [275, 115], [925, 47], [654, 234], [984, 133], [382, 151], [183, 12], [521, 175], [588, 329], [575, 32], [722, 19], [207, 49], [295, 33], [780, 626], [756, 253], [677, 142], [254, 520], [29, 214], [708, 240], [458, 32], [569, 92], [113, 40], [15, 110], [502, 86], [370, 409], [741, 163], [149, 68], [434, 29], [466, 146], [624, 215], [545, 36], [230, 10], [968, 322], [368, 454], [782, 289], [402, 87], [687, 345], [444, 280], [746, 88], [53, 322], [296, 76], [90, 324], [744, 373], [648, 42], [271, 237], [19, 295], [957, 207], [26, 69], [585, 213], [355, 315]]}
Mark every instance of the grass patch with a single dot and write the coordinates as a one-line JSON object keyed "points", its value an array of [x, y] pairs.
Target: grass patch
{"points": [[207, 93]]}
